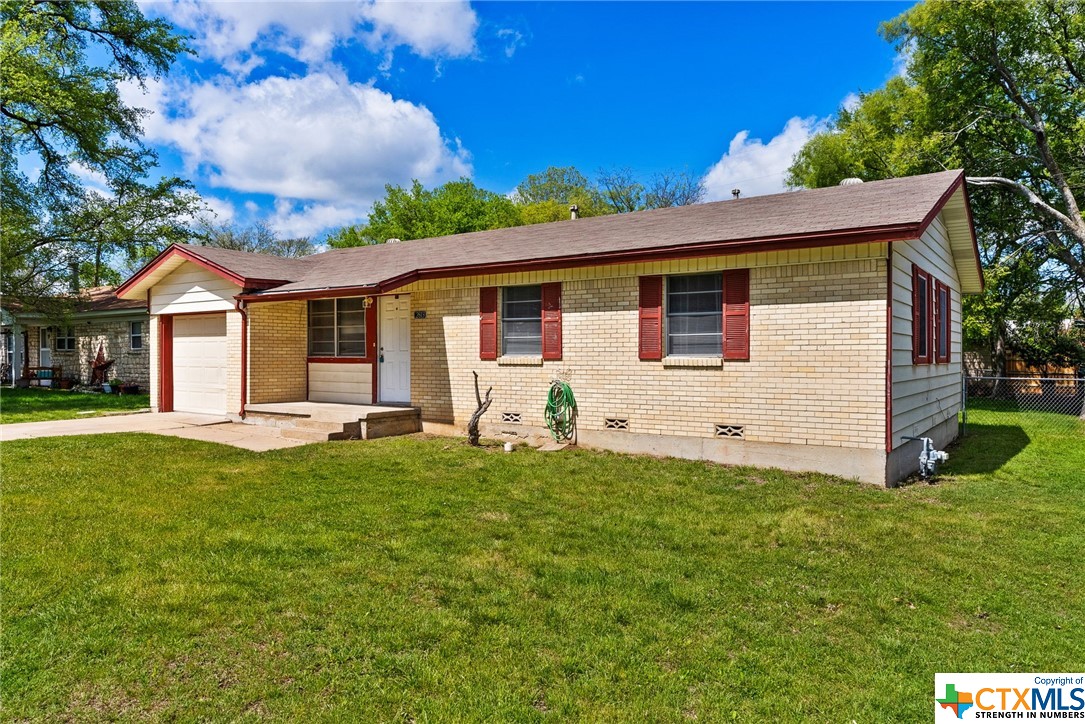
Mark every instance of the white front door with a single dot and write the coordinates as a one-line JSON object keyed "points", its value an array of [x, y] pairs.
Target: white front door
{"points": [[394, 354], [45, 352]]}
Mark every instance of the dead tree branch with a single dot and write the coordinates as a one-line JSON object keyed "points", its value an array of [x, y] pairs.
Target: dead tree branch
{"points": [[483, 405]]}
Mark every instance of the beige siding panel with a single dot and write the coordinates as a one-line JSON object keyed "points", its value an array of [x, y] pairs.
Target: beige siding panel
{"points": [[923, 395], [193, 289], [350, 383]]}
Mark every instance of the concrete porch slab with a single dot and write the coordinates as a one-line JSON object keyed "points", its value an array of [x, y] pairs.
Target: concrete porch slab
{"points": [[328, 411], [209, 428]]}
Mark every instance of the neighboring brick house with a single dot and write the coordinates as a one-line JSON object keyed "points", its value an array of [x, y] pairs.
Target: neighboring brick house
{"points": [[34, 343], [807, 330]]}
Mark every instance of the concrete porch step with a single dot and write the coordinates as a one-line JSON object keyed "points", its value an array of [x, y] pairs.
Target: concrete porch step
{"points": [[318, 421]]}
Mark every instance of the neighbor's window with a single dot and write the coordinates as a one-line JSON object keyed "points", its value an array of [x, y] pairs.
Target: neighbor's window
{"points": [[337, 327], [695, 315], [65, 339], [521, 320], [135, 335]]}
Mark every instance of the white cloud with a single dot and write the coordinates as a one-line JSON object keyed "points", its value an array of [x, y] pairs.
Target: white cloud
{"points": [[851, 101], [757, 167], [222, 210], [318, 138], [234, 33], [291, 220], [512, 39], [431, 29]]}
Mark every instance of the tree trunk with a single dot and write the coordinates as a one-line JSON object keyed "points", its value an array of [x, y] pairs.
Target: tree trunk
{"points": [[483, 405]]}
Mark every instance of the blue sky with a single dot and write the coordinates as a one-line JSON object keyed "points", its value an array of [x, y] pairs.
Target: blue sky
{"points": [[297, 114]]}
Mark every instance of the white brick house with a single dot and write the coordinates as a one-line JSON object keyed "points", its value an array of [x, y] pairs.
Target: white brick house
{"points": [[808, 330]]}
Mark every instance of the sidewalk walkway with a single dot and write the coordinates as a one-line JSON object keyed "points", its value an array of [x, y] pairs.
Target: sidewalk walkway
{"points": [[210, 428]]}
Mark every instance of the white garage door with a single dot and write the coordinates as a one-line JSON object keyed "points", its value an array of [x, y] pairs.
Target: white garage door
{"points": [[199, 364]]}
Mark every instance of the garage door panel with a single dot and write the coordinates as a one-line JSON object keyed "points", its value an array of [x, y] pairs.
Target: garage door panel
{"points": [[199, 364]]}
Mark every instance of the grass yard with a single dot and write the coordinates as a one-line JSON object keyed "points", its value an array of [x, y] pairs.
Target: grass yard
{"points": [[420, 579], [38, 404]]}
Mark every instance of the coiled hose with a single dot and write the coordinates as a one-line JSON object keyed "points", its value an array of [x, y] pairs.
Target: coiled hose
{"points": [[561, 412]]}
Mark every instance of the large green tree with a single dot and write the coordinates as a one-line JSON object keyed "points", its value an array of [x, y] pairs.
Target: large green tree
{"points": [[417, 213], [62, 121], [996, 88]]}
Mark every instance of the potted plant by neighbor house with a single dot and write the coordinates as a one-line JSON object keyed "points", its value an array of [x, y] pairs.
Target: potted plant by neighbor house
{"points": [[115, 385], [65, 383]]}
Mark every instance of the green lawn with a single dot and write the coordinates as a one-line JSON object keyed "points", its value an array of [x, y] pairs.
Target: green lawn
{"points": [[37, 404], [419, 579]]}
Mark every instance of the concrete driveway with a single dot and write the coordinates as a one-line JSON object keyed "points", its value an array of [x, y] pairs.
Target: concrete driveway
{"points": [[209, 428]]}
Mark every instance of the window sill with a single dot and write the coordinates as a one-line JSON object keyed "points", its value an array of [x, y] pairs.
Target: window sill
{"points": [[520, 361], [702, 362], [340, 360]]}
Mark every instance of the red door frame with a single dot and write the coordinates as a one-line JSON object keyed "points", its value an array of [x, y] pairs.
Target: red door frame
{"points": [[165, 363]]}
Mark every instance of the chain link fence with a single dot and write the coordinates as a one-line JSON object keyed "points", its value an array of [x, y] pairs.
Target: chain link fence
{"points": [[1055, 403]]}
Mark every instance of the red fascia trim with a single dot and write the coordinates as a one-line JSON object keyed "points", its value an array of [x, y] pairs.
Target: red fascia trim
{"points": [[897, 232], [240, 306], [959, 182], [972, 231], [942, 201], [307, 294], [187, 255], [889, 349], [688, 251]]}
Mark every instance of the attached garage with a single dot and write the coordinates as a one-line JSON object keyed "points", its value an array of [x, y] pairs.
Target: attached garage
{"points": [[199, 363]]}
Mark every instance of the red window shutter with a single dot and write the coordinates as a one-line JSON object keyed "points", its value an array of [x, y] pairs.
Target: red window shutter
{"points": [[487, 323], [942, 316], [736, 314], [650, 331], [551, 320]]}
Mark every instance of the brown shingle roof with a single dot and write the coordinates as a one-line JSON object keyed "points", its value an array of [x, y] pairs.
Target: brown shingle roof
{"points": [[104, 299], [900, 205], [252, 266]]}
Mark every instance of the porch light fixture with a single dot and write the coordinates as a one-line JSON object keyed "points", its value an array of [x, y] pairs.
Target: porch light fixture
{"points": [[367, 302]]}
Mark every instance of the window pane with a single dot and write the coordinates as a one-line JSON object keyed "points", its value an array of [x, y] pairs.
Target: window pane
{"points": [[943, 323], [695, 315], [923, 296], [521, 320], [322, 349]]}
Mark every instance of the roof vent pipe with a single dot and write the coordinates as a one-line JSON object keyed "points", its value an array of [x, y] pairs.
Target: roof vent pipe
{"points": [[393, 240], [736, 193], [574, 212], [73, 278], [851, 181]]}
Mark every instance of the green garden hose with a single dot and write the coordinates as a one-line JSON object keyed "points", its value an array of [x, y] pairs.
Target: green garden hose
{"points": [[561, 412]]}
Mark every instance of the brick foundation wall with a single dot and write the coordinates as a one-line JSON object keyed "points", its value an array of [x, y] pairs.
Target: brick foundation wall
{"points": [[277, 352], [816, 374]]}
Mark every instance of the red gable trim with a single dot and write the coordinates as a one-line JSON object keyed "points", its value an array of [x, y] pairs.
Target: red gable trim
{"points": [[959, 183], [186, 254]]}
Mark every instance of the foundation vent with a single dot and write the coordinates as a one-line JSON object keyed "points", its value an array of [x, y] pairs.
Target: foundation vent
{"points": [[738, 431], [510, 417], [616, 423]]}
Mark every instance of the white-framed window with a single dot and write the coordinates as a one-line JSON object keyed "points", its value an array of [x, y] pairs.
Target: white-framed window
{"points": [[337, 327], [65, 340], [521, 321], [694, 311], [135, 335]]}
